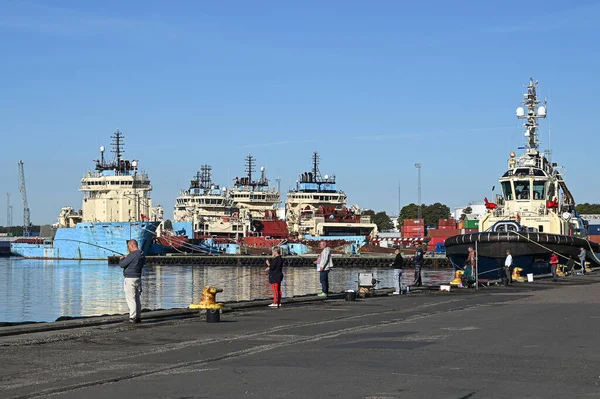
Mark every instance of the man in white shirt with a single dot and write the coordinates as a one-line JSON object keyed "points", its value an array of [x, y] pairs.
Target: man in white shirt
{"points": [[324, 264], [507, 265]]}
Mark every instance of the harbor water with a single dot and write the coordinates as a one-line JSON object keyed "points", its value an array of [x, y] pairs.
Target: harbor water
{"points": [[44, 290]]}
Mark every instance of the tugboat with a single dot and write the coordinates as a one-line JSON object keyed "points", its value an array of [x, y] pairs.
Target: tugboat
{"points": [[116, 208], [533, 217]]}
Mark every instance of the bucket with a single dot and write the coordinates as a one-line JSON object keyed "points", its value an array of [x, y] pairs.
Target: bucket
{"points": [[350, 295], [213, 315], [530, 277]]}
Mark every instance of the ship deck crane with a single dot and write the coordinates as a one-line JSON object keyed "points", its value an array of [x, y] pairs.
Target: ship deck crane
{"points": [[23, 190]]}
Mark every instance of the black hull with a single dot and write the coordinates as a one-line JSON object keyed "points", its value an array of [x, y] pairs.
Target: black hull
{"points": [[530, 251]]}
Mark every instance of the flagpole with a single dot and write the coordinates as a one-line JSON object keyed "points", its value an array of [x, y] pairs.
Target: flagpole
{"points": [[476, 267]]}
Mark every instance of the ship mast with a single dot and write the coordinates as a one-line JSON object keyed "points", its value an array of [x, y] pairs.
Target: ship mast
{"points": [[531, 102], [117, 145], [315, 168], [205, 178], [250, 167]]}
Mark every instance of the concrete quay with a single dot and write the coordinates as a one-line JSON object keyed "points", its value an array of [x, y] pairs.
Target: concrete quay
{"points": [[371, 260], [534, 340]]}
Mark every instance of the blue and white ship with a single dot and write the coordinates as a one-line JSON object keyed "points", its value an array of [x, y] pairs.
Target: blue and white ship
{"points": [[116, 208]]}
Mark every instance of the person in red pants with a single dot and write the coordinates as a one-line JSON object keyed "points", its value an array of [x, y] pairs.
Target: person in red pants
{"points": [[275, 269]]}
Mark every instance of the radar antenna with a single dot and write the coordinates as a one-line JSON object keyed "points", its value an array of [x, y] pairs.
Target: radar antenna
{"points": [[531, 102]]}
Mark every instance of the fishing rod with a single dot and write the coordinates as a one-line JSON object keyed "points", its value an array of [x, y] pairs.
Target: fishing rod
{"points": [[91, 244]]}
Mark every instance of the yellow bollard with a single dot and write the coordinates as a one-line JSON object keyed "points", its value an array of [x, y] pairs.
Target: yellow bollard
{"points": [[516, 275], [208, 299], [457, 278]]}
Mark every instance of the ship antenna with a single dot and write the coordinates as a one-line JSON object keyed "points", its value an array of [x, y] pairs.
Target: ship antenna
{"points": [[316, 173], [117, 145], [250, 167], [205, 180], [531, 102]]}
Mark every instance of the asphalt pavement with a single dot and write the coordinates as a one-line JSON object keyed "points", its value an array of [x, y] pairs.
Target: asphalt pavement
{"points": [[535, 340]]}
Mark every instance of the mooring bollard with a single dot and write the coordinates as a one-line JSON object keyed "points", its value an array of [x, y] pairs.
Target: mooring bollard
{"points": [[351, 295], [213, 309], [213, 315]]}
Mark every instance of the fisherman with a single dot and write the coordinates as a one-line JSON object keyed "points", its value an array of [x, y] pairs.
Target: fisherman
{"points": [[324, 264], [468, 276], [132, 265], [553, 265], [507, 265], [418, 259], [397, 265], [582, 259], [275, 270]]}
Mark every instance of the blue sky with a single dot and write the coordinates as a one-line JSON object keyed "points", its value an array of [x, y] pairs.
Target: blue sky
{"points": [[374, 87]]}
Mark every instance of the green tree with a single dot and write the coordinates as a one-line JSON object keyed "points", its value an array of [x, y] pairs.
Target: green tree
{"points": [[588, 209], [433, 213], [168, 225], [409, 211], [382, 220]]}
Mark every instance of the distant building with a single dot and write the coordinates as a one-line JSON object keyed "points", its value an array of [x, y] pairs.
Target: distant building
{"points": [[477, 207]]}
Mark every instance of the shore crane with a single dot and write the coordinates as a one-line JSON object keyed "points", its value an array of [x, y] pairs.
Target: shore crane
{"points": [[23, 190]]}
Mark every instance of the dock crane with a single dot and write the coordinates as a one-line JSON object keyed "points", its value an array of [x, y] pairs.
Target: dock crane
{"points": [[23, 190]]}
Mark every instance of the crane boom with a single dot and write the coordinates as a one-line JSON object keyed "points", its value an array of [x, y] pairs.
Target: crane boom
{"points": [[23, 190]]}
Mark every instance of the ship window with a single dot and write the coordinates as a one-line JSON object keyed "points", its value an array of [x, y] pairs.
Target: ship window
{"points": [[551, 193], [507, 190], [522, 189], [538, 190]]}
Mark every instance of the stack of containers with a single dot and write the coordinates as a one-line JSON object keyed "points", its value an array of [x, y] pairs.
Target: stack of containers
{"points": [[413, 228], [446, 228], [468, 226]]}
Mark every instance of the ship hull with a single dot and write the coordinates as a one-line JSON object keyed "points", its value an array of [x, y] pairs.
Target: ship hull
{"points": [[89, 241], [530, 251]]}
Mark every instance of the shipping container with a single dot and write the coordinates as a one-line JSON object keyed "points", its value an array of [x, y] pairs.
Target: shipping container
{"points": [[413, 228], [471, 224], [447, 227], [593, 229], [594, 238], [443, 232], [446, 222], [414, 222]]}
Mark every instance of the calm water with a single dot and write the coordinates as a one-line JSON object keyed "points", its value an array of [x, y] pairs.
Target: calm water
{"points": [[37, 290]]}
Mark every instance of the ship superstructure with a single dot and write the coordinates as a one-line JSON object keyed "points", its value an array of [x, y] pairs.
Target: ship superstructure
{"points": [[116, 208], [208, 207], [116, 191], [317, 208], [254, 198]]}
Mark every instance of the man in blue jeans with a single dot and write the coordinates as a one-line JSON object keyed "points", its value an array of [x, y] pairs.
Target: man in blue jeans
{"points": [[397, 265], [582, 259], [324, 264]]}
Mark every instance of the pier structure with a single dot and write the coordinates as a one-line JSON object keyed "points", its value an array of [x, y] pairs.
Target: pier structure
{"points": [[293, 261]]}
